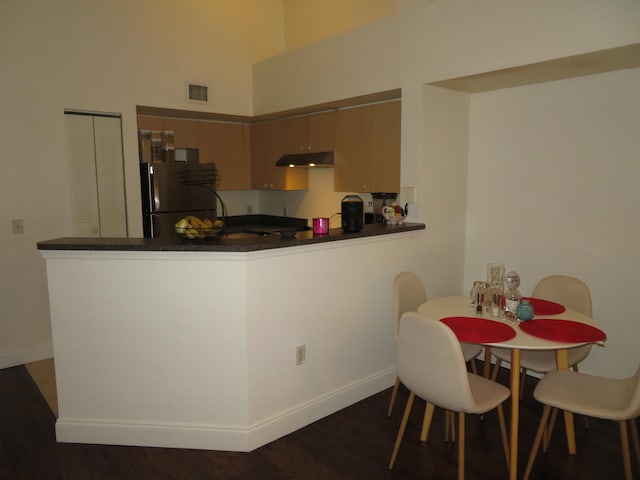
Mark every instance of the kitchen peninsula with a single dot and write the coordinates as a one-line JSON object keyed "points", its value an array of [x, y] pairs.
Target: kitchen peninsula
{"points": [[195, 344]]}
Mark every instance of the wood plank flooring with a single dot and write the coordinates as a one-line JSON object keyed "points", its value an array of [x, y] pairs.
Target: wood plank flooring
{"points": [[354, 443]]}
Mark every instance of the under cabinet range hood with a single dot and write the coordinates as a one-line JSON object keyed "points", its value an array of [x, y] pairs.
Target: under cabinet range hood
{"points": [[315, 159]]}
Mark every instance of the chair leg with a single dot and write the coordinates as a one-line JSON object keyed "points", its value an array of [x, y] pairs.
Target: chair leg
{"points": [[449, 426], [626, 457], [474, 367], [460, 445], [394, 393], [586, 419], [523, 377], [536, 443], [549, 430], [636, 442], [496, 369], [426, 422], [503, 434], [403, 426]]}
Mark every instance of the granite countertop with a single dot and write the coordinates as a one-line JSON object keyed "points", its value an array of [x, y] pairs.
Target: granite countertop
{"points": [[237, 241]]}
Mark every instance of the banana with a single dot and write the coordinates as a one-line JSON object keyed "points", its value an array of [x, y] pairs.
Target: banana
{"points": [[195, 222], [182, 225]]}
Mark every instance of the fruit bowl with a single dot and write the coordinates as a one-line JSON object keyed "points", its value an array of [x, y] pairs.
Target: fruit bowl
{"points": [[192, 228]]}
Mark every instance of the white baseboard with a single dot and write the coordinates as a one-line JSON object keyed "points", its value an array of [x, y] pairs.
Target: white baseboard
{"points": [[221, 437], [12, 358]]}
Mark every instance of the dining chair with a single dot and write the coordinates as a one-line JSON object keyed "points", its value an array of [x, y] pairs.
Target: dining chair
{"points": [[568, 291], [431, 365], [594, 396], [408, 294]]}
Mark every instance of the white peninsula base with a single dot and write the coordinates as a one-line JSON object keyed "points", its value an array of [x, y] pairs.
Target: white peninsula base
{"points": [[198, 349]]}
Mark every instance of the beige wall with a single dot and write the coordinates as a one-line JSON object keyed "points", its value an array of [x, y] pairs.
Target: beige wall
{"points": [[430, 41], [105, 57], [309, 21]]}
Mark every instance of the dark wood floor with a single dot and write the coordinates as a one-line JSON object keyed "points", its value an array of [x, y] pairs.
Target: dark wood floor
{"points": [[354, 443]]}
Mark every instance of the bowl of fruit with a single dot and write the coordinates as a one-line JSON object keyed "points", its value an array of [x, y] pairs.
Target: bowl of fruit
{"points": [[393, 214], [194, 228]]}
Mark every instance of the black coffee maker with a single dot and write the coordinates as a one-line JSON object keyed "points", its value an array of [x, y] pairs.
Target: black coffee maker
{"points": [[352, 213]]}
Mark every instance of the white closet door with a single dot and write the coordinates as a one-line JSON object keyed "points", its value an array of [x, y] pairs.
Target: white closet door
{"points": [[96, 175], [110, 176], [83, 186]]}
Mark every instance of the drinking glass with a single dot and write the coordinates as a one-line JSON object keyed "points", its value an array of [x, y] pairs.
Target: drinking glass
{"points": [[495, 274]]}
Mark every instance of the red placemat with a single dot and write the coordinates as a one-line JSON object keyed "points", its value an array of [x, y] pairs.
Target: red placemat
{"points": [[545, 307], [479, 330], [560, 330]]}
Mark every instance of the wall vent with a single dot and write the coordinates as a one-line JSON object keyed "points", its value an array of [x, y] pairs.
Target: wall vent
{"points": [[198, 93]]}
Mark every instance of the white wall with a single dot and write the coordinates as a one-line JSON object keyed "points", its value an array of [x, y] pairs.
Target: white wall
{"points": [[554, 180]]}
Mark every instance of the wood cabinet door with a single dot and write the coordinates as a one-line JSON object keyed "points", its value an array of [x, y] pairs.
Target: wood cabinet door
{"points": [[295, 135], [185, 132], [224, 145], [385, 149], [352, 151], [267, 146], [321, 132]]}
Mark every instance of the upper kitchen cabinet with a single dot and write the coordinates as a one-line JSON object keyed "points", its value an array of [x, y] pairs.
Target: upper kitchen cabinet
{"points": [[226, 145], [367, 148], [309, 133], [267, 146], [185, 132]]}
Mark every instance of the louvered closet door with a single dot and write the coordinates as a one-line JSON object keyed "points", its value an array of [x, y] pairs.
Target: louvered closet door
{"points": [[96, 175]]}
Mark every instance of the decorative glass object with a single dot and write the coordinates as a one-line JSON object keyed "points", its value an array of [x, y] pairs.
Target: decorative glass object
{"points": [[512, 295]]}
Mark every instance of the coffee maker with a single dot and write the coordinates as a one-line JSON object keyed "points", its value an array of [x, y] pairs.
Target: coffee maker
{"points": [[380, 199], [352, 211]]}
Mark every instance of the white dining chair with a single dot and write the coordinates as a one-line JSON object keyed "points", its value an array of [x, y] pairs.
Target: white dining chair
{"points": [[408, 294], [594, 396], [568, 291], [431, 365]]}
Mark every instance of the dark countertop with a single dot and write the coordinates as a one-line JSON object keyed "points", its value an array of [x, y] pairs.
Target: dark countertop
{"points": [[231, 242]]}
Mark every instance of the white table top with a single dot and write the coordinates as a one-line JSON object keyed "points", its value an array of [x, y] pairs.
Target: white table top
{"points": [[460, 306]]}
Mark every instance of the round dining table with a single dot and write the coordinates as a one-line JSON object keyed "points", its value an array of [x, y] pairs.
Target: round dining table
{"points": [[544, 332]]}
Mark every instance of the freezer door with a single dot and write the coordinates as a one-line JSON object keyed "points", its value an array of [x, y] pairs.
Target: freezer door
{"points": [[165, 192]]}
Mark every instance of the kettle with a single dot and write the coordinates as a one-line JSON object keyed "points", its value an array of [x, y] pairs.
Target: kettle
{"points": [[352, 213]]}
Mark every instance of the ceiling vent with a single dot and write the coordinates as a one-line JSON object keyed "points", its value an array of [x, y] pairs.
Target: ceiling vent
{"points": [[198, 93]]}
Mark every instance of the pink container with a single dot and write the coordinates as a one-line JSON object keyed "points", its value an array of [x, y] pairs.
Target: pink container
{"points": [[321, 225]]}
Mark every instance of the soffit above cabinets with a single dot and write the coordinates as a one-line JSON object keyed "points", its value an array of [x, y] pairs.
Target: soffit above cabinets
{"points": [[384, 96], [591, 63]]}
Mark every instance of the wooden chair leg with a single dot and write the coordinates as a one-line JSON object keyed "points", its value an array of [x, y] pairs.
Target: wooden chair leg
{"points": [[496, 369], [450, 426], [626, 457], [549, 430], [403, 426], [503, 434], [426, 422], [636, 442], [474, 367], [461, 423], [536, 443], [394, 393]]}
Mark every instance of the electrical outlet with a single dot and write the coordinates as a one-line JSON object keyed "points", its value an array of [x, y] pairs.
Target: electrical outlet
{"points": [[18, 226], [408, 194], [301, 354]]}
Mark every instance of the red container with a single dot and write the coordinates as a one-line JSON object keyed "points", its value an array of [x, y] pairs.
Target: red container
{"points": [[321, 225]]}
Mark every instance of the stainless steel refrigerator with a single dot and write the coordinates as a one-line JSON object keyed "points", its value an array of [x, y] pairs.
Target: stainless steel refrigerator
{"points": [[171, 191]]}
